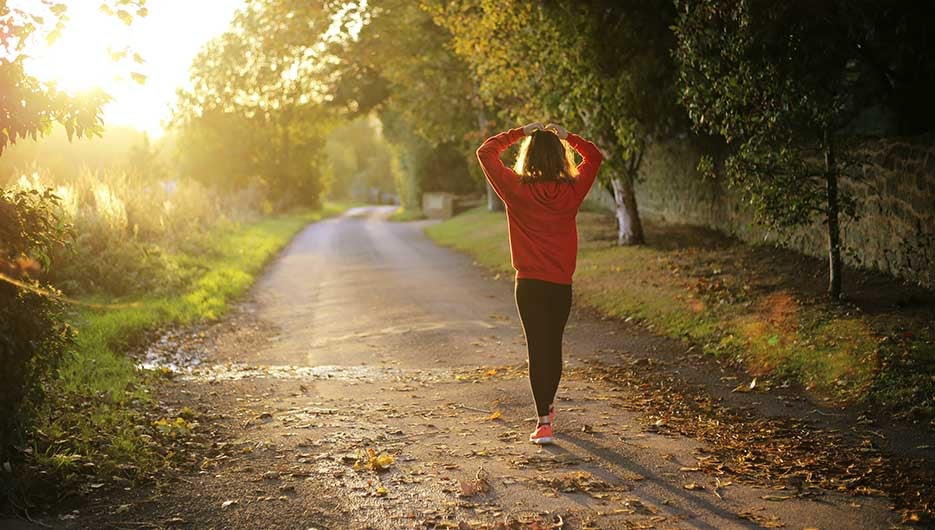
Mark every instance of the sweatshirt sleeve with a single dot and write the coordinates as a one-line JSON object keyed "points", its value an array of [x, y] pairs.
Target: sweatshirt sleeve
{"points": [[501, 178], [591, 161]]}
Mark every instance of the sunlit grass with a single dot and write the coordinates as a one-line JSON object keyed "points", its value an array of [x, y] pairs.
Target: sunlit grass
{"points": [[406, 214], [100, 389], [135, 236], [835, 354]]}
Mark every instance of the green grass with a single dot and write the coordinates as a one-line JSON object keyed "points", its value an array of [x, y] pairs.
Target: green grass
{"points": [[402, 215], [728, 299], [100, 393]]}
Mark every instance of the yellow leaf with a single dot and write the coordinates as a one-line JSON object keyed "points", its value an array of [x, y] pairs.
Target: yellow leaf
{"points": [[373, 461], [494, 416], [742, 387]]}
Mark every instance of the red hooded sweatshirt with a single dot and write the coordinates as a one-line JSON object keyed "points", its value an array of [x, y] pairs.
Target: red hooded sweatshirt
{"points": [[541, 215]]}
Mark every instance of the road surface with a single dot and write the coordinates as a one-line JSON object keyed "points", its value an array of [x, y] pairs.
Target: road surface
{"points": [[365, 335]]}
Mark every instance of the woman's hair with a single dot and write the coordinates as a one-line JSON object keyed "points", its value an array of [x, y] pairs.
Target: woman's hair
{"points": [[543, 156]]}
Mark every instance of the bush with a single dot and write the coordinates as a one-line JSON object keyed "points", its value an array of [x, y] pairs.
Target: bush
{"points": [[33, 336], [132, 233]]}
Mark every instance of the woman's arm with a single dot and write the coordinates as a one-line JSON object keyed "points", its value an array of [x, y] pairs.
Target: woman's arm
{"points": [[501, 178]]}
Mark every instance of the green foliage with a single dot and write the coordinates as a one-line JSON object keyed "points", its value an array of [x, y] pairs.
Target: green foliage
{"points": [[781, 83], [601, 68], [29, 224], [33, 338], [784, 83], [402, 215], [400, 65], [43, 106], [360, 159], [256, 107], [588, 65], [751, 73], [131, 235]]}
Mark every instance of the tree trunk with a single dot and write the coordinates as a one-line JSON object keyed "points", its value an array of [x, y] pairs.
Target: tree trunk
{"points": [[629, 226], [834, 227], [494, 204]]}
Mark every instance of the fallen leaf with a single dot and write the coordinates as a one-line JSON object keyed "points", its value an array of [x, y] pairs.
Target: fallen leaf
{"points": [[776, 498], [226, 504], [478, 485], [693, 486], [745, 387], [373, 461]]}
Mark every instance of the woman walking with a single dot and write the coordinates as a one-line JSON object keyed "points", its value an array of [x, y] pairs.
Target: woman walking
{"points": [[542, 194]]}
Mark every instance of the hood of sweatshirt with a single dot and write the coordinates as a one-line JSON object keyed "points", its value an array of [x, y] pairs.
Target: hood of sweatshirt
{"points": [[552, 195]]}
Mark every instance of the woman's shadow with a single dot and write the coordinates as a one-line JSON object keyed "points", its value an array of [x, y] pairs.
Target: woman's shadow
{"points": [[686, 518]]}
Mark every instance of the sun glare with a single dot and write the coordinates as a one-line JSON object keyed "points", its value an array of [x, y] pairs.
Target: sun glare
{"points": [[81, 58], [97, 50]]}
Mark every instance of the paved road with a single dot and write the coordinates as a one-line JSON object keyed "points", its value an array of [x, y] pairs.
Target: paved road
{"points": [[366, 335]]}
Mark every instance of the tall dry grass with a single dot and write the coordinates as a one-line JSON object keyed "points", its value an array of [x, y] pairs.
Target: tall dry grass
{"points": [[134, 236]]}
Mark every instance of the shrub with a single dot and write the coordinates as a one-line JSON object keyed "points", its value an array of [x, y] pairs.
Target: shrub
{"points": [[33, 337], [131, 232]]}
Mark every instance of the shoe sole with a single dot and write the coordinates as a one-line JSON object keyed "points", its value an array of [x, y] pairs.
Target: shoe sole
{"points": [[545, 440]]}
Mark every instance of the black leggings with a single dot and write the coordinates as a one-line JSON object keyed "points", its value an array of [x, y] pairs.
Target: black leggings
{"points": [[543, 308]]}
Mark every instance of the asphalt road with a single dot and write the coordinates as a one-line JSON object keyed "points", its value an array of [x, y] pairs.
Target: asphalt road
{"points": [[364, 335]]}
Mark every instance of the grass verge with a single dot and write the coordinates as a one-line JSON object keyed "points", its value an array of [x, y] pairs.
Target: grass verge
{"points": [[761, 307], [94, 424], [402, 214]]}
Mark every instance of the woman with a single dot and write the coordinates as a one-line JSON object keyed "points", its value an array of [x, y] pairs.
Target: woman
{"points": [[542, 194]]}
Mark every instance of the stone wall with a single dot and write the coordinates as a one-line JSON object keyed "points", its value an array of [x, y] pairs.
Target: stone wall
{"points": [[895, 190]]}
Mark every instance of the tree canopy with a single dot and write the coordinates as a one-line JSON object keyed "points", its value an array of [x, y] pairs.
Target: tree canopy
{"points": [[255, 110], [601, 68], [401, 67], [784, 84]]}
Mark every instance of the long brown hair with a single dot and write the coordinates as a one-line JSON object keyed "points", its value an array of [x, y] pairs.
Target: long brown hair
{"points": [[544, 156]]}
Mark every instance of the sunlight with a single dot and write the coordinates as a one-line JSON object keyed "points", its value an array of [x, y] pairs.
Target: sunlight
{"points": [[80, 59], [96, 50]]}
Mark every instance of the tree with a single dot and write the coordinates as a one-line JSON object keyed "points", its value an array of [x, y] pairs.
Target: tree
{"points": [[782, 83], [603, 68], [28, 107], [144, 161], [256, 107], [400, 66], [359, 158]]}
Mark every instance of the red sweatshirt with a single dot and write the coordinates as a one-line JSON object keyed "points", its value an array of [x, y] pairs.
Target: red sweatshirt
{"points": [[541, 215]]}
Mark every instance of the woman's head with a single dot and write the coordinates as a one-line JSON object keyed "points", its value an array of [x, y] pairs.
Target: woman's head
{"points": [[543, 156]]}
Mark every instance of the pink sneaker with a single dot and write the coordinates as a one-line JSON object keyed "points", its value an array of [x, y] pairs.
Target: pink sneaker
{"points": [[542, 435]]}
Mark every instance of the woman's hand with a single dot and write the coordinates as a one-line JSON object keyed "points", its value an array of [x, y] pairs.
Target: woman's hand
{"points": [[558, 130], [532, 127]]}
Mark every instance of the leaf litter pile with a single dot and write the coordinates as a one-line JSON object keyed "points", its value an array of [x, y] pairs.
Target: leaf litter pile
{"points": [[795, 457]]}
